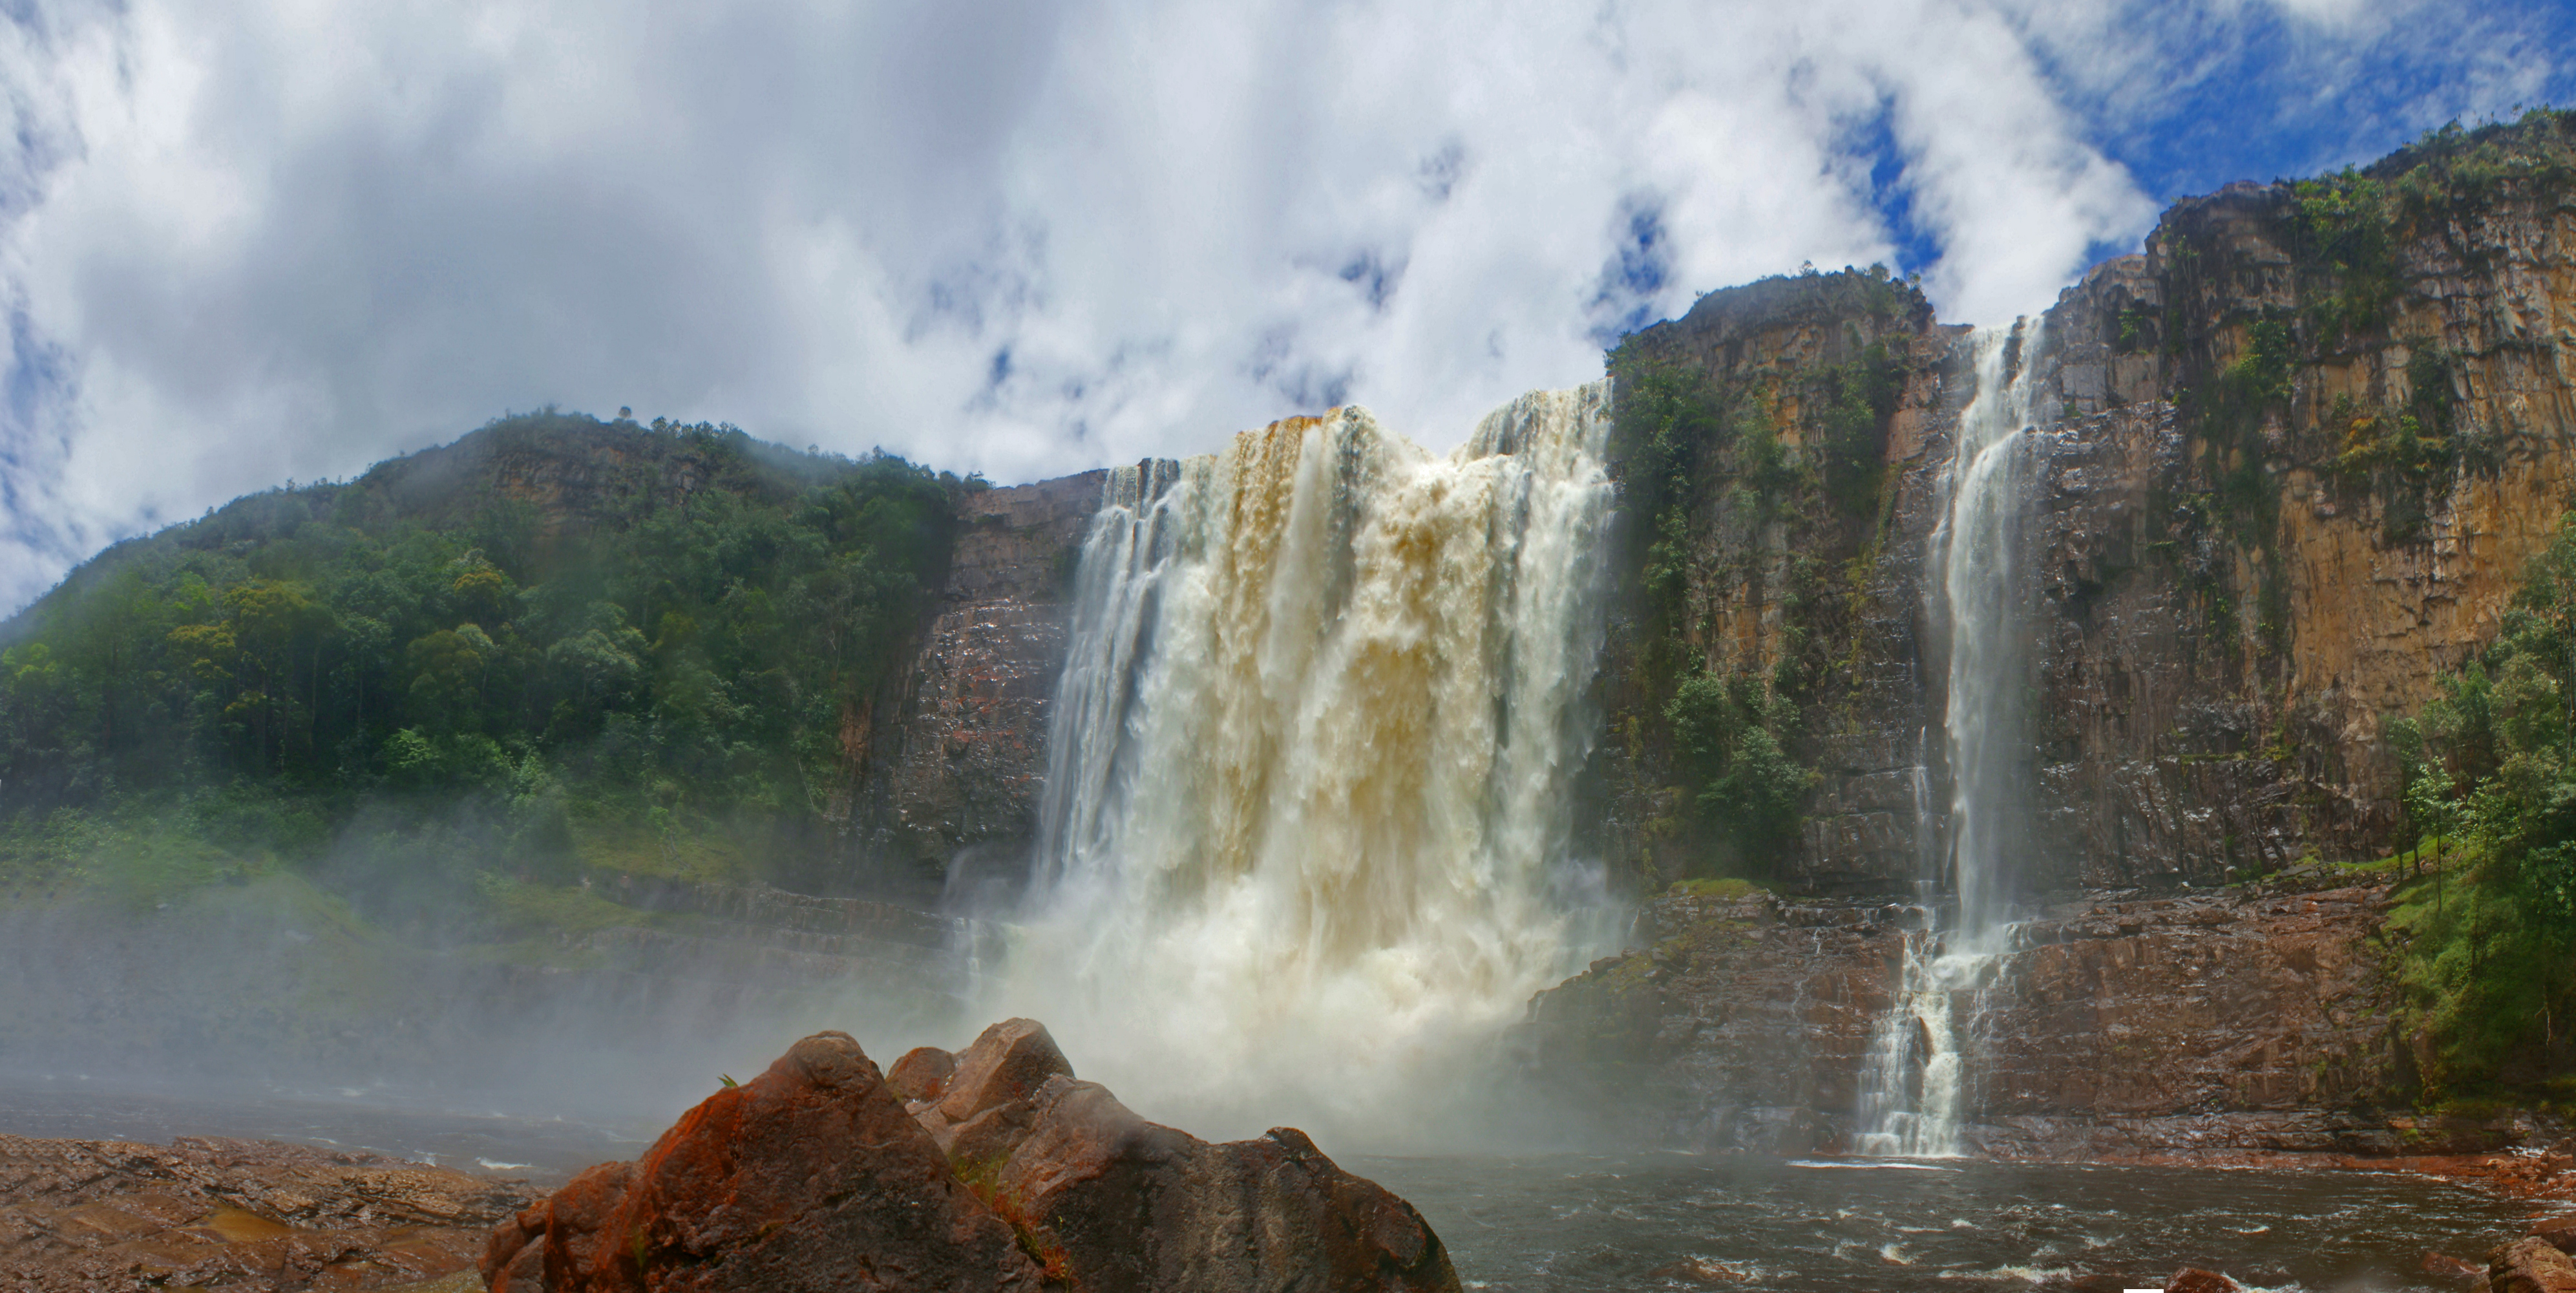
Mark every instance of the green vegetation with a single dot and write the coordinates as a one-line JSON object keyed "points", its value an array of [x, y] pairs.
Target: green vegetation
{"points": [[1720, 457], [472, 677], [1729, 733], [2487, 926]]}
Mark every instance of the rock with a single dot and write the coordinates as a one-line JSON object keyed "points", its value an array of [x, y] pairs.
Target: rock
{"points": [[2559, 1232], [810, 1176], [1010, 1061], [1107, 1200], [246, 1215], [1016, 1177], [2192, 1279], [2444, 1266], [922, 1073], [2530, 1265], [1697, 1270]]}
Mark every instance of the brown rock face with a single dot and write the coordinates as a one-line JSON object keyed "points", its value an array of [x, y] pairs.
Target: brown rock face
{"points": [[1111, 1202], [922, 1073], [810, 1176], [2530, 1266], [2192, 1279], [104, 1217], [954, 761], [814, 1176], [2228, 594], [1746, 1023]]}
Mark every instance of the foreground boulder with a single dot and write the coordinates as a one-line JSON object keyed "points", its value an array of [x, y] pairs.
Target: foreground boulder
{"points": [[2531, 1265], [1002, 1172], [809, 1177]]}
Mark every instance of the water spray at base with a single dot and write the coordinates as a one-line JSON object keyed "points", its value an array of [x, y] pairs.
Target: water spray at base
{"points": [[1305, 837]]}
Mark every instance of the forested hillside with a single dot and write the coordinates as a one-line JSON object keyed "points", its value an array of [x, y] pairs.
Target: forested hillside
{"points": [[556, 647]]}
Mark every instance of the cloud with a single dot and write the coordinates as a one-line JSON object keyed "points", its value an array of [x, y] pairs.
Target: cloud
{"points": [[241, 244]]}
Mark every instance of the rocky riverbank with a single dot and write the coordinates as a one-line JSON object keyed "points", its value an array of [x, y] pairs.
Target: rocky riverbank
{"points": [[85, 1216]]}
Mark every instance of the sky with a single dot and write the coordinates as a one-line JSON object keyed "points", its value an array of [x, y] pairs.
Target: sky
{"points": [[260, 242]]}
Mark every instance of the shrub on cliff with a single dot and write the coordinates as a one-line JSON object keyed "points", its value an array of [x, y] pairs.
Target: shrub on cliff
{"points": [[2489, 935]]}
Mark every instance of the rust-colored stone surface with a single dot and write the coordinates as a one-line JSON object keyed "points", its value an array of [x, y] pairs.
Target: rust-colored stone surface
{"points": [[809, 1177], [1109, 1201], [2530, 1265], [100, 1216], [816, 1175], [922, 1073]]}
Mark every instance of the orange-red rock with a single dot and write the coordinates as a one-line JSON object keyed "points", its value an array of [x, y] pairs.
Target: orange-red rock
{"points": [[814, 1175], [2530, 1265], [810, 1176], [922, 1073]]}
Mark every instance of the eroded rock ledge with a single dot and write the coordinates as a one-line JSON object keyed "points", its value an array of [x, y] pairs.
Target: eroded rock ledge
{"points": [[993, 1169], [94, 1216], [2240, 1025]]}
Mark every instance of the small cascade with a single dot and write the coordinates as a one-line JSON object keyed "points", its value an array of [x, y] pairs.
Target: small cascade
{"points": [[1919, 1081], [1306, 824]]}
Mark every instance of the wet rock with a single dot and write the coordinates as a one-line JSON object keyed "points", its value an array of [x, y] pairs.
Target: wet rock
{"points": [[2530, 1265], [248, 1215], [810, 1176], [1108, 1200], [2558, 1232], [2446, 1267], [1698, 1271], [1015, 1177], [922, 1073], [2192, 1279], [1009, 1062]]}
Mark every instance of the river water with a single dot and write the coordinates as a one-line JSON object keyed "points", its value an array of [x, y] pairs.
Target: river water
{"points": [[1568, 1223]]}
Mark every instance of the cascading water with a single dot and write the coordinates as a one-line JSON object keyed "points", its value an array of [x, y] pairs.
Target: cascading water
{"points": [[1917, 1083], [1306, 822]]}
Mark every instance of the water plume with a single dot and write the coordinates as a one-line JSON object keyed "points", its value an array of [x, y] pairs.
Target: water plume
{"points": [[1305, 838]]}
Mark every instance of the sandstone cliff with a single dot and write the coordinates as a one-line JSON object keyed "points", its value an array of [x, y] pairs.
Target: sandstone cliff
{"points": [[2290, 464]]}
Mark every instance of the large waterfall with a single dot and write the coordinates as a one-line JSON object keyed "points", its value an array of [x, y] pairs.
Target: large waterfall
{"points": [[1917, 1084], [1306, 821]]}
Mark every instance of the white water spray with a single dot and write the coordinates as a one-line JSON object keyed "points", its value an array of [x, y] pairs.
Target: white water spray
{"points": [[1916, 1087], [1306, 818]]}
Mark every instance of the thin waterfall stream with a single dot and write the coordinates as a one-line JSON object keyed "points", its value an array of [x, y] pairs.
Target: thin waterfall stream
{"points": [[1918, 1081]]}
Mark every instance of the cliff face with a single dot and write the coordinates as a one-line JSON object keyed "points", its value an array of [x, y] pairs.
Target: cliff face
{"points": [[2211, 1021], [2240, 586], [951, 781], [2278, 487]]}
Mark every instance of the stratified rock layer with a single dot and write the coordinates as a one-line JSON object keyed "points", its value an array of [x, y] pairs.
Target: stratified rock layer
{"points": [[2223, 1022]]}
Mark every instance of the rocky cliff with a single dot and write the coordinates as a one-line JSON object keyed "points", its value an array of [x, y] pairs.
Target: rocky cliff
{"points": [[2290, 464], [2230, 1024], [951, 782]]}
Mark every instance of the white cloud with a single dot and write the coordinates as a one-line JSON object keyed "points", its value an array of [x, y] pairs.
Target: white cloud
{"points": [[242, 244]]}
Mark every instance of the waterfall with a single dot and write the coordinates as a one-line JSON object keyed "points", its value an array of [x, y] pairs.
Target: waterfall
{"points": [[1916, 1085], [1305, 831]]}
